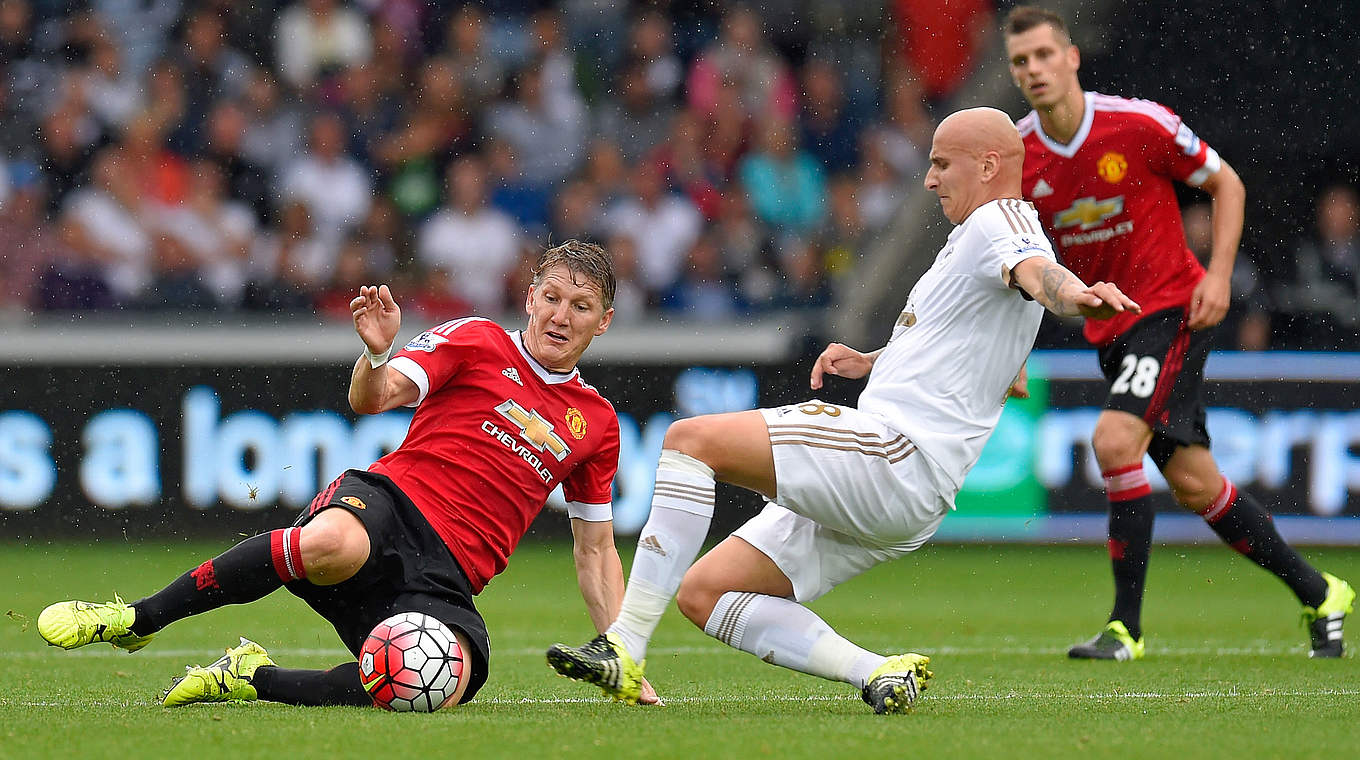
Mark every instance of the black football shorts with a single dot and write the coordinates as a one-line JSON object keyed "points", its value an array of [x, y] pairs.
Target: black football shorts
{"points": [[409, 569], [1156, 372]]}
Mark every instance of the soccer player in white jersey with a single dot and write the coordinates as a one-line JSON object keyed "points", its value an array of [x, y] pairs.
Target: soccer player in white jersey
{"points": [[853, 487]]}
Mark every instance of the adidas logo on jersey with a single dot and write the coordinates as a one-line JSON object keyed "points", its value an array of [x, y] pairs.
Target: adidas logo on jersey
{"points": [[1041, 190], [513, 374], [652, 545]]}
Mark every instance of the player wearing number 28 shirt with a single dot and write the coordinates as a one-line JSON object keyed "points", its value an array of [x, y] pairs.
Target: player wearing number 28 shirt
{"points": [[1101, 170]]}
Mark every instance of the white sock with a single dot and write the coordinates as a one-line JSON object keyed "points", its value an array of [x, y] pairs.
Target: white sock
{"points": [[682, 508], [785, 633]]}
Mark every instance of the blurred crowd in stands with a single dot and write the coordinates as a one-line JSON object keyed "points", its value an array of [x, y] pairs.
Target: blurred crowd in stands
{"points": [[224, 156], [168, 155]]}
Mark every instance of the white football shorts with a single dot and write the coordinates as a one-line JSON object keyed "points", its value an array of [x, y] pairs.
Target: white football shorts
{"points": [[852, 492]]}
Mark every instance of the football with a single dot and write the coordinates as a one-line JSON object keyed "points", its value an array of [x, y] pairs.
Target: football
{"points": [[411, 662]]}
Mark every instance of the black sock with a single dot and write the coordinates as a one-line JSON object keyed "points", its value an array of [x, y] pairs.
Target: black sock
{"points": [[1246, 526], [1130, 544], [246, 572], [313, 688]]}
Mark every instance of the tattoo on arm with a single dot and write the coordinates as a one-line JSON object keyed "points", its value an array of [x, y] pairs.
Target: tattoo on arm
{"points": [[1054, 278]]}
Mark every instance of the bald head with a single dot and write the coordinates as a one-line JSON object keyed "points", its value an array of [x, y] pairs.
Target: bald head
{"points": [[976, 157], [985, 129]]}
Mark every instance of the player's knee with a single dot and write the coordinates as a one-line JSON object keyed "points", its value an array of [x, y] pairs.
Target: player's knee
{"points": [[1114, 446], [689, 436], [334, 546], [1191, 490], [697, 597]]}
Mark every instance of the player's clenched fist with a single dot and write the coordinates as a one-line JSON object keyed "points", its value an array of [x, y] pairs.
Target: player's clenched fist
{"points": [[843, 361]]}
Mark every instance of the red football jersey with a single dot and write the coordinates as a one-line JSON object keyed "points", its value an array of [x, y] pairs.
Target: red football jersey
{"points": [[493, 433], [1108, 201]]}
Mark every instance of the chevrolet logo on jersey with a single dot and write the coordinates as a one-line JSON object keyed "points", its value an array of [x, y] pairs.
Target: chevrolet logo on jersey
{"points": [[1088, 212], [534, 429]]}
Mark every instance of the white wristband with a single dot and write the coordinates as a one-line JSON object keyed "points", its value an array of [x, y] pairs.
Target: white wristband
{"points": [[377, 360]]}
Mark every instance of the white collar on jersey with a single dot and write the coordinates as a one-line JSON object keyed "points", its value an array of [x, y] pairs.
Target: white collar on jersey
{"points": [[544, 374], [1069, 150]]}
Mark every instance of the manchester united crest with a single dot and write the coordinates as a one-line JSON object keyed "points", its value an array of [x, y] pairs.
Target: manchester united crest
{"points": [[1112, 167], [576, 423]]}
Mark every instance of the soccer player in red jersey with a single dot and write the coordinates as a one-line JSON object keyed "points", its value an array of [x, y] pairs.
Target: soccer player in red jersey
{"points": [[501, 419], [1101, 172]]}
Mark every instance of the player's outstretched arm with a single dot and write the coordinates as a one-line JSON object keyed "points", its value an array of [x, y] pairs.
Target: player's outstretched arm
{"points": [[1064, 294], [373, 386], [599, 573], [843, 361]]}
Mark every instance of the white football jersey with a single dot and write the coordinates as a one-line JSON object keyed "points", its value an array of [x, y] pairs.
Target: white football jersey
{"points": [[961, 340]]}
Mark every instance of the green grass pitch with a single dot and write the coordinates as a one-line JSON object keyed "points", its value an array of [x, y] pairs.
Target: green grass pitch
{"points": [[1226, 676]]}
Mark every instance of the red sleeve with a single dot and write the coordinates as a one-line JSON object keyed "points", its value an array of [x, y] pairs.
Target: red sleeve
{"points": [[1176, 151], [592, 482], [439, 353]]}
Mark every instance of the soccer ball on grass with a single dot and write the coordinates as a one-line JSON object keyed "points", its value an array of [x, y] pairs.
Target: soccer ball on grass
{"points": [[411, 662]]}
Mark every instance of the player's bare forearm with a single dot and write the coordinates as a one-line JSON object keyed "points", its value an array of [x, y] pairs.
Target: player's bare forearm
{"points": [[1064, 294], [368, 387], [599, 572], [1213, 295], [1228, 217]]}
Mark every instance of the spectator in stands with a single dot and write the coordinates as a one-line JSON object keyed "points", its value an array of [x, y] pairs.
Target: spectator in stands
{"points": [[166, 99], [111, 94], [177, 279], [902, 135], [549, 142], [652, 48], [436, 130], [577, 214], [105, 222], [370, 113], [557, 67], [805, 284], [288, 263], [748, 250], [880, 189], [38, 270], [213, 70], [334, 187], [785, 184], [1324, 295], [842, 235], [352, 270], [66, 142], [316, 39], [525, 202], [217, 232], [662, 225], [703, 292], [480, 74], [607, 172], [630, 295], [274, 125], [635, 119], [829, 131], [139, 27], [245, 182], [742, 56], [686, 165], [475, 243]]}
